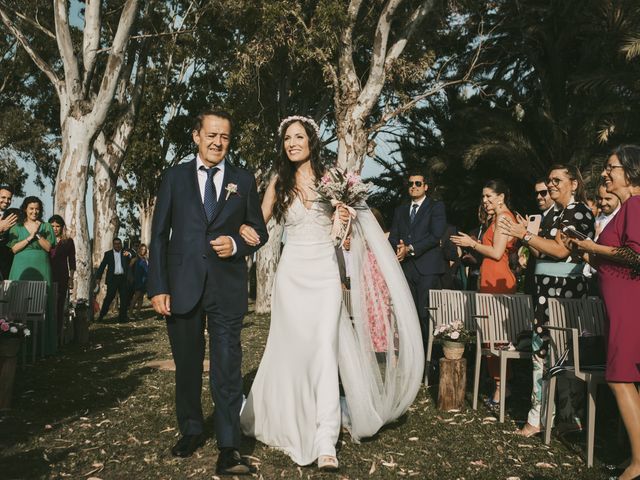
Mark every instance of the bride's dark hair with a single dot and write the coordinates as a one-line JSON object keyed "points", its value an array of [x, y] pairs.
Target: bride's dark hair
{"points": [[285, 169]]}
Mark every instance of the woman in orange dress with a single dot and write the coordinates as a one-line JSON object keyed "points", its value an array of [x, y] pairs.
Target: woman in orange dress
{"points": [[495, 274]]}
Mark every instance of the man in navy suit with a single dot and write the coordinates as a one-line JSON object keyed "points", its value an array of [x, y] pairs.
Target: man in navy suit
{"points": [[197, 271], [415, 233], [116, 262]]}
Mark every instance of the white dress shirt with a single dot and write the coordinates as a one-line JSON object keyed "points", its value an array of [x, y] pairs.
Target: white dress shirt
{"points": [[117, 262], [416, 202], [217, 181], [202, 177]]}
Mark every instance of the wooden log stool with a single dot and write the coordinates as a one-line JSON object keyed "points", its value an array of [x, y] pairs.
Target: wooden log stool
{"points": [[453, 382]]}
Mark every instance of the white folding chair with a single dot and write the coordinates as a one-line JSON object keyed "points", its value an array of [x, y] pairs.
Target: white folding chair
{"points": [[446, 306], [568, 320], [500, 319]]}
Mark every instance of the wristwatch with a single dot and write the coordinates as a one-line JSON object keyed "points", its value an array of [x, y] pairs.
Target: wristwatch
{"points": [[527, 238], [410, 250]]}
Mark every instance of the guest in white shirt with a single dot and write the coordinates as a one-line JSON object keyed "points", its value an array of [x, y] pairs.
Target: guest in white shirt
{"points": [[116, 262]]}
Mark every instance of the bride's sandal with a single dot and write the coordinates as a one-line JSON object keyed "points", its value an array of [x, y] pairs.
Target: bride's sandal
{"points": [[327, 463]]}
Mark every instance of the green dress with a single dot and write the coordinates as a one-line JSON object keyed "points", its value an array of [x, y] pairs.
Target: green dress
{"points": [[32, 263]]}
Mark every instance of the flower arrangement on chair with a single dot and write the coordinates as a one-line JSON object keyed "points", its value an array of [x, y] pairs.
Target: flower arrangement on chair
{"points": [[453, 337], [13, 329]]}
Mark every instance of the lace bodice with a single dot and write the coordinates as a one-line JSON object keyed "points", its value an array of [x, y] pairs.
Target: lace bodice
{"points": [[308, 225]]}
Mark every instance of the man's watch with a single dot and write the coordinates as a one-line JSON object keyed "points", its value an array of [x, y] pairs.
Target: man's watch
{"points": [[527, 238], [410, 250]]}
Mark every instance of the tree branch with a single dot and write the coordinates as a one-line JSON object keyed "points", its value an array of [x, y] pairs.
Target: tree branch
{"points": [[34, 23], [65, 46], [115, 61], [37, 59], [90, 41], [407, 32], [346, 66]]}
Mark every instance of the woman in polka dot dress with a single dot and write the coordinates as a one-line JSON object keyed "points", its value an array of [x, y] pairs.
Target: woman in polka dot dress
{"points": [[558, 274]]}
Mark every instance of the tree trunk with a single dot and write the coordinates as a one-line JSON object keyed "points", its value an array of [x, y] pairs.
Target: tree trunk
{"points": [[105, 217], [353, 142], [146, 216], [453, 381], [70, 194], [267, 261]]}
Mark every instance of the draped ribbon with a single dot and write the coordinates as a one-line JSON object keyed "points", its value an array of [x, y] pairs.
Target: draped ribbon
{"points": [[338, 230]]}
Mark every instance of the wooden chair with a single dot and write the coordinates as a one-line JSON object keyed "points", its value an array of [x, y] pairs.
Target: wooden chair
{"points": [[500, 319], [568, 320], [445, 306], [27, 301]]}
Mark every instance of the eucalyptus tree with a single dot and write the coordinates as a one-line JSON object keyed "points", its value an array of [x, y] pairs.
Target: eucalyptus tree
{"points": [[84, 92]]}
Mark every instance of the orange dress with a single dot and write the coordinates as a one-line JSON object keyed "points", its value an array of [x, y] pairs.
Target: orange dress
{"points": [[495, 275]]}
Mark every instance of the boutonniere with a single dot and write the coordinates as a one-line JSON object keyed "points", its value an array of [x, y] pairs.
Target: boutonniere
{"points": [[231, 188]]}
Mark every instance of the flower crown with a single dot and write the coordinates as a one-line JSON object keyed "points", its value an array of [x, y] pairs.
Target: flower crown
{"points": [[299, 118]]}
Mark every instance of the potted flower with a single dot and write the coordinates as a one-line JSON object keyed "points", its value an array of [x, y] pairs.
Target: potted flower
{"points": [[453, 337], [11, 335]]}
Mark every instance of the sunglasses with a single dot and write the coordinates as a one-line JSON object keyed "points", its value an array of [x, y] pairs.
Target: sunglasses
{"points": [[542, 193], [417, 183]]}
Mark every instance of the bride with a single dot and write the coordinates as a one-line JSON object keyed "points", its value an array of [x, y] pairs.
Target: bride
{"points": [[295, 404]]}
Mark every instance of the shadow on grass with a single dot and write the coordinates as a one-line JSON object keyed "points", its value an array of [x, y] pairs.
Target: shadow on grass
{"points": [[77, 382]]}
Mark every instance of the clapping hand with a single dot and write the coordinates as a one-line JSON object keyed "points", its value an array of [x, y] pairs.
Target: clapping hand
{"points": [[249, 235], [401, 251], [463, 240], [7, 223], [516, 229]]}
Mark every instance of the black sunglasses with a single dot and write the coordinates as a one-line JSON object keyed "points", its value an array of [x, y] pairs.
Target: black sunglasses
{"points": [[542, 193], [417, 183]]}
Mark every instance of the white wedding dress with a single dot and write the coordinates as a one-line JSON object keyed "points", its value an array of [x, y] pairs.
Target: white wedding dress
{"points": [[294, 404]]}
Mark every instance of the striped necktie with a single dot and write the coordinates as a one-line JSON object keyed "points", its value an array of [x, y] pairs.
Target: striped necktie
{"points": [[414, 209]]}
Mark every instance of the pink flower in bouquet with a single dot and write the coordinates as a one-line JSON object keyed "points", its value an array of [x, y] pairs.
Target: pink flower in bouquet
{"points": [[4, 326], [326, 179], [352, 178]]}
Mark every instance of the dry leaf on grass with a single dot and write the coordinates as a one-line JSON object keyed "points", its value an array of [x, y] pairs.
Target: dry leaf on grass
{"points": [[373, 468]]}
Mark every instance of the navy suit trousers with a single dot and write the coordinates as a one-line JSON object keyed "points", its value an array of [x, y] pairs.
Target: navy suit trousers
{"points": [[225, 358]]}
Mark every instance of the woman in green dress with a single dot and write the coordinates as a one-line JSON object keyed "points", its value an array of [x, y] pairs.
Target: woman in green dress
{"points": [[30, 240]]}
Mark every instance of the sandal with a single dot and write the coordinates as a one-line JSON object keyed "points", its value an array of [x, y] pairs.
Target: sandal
{"points": [[328, 463], [529, 431]]}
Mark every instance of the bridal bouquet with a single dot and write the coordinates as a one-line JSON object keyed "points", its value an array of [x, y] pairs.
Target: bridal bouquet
{"points": [[340, 187]]}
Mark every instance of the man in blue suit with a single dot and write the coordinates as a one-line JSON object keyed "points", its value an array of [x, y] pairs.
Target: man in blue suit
{"points": [[415, 234], [197, 272]]}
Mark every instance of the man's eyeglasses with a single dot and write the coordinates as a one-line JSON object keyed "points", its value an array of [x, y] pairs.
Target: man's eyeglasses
{"points": [[554, 181], [542, 193], [417, 183], [608, 168]]}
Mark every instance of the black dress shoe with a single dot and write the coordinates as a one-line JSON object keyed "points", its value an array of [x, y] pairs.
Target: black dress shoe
{"points": [[187, 445], [231, 463]]}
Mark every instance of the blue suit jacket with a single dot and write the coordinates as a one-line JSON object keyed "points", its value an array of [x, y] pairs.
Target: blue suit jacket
{"points": [[181, 257], [424, 234]]}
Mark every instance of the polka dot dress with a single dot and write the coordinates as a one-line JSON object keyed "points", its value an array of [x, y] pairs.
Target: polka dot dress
{"points": [[579, 217]]}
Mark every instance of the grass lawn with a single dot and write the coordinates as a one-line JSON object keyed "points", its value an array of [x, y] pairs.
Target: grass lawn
{"points": [[101, 413]]}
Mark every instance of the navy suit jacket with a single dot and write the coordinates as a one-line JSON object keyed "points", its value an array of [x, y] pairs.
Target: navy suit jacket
{"points": [[181, 257], [108, 262], [424, 234]]}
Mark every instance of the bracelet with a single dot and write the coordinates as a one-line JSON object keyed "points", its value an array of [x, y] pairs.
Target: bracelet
{"points": [[475, 244]]}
